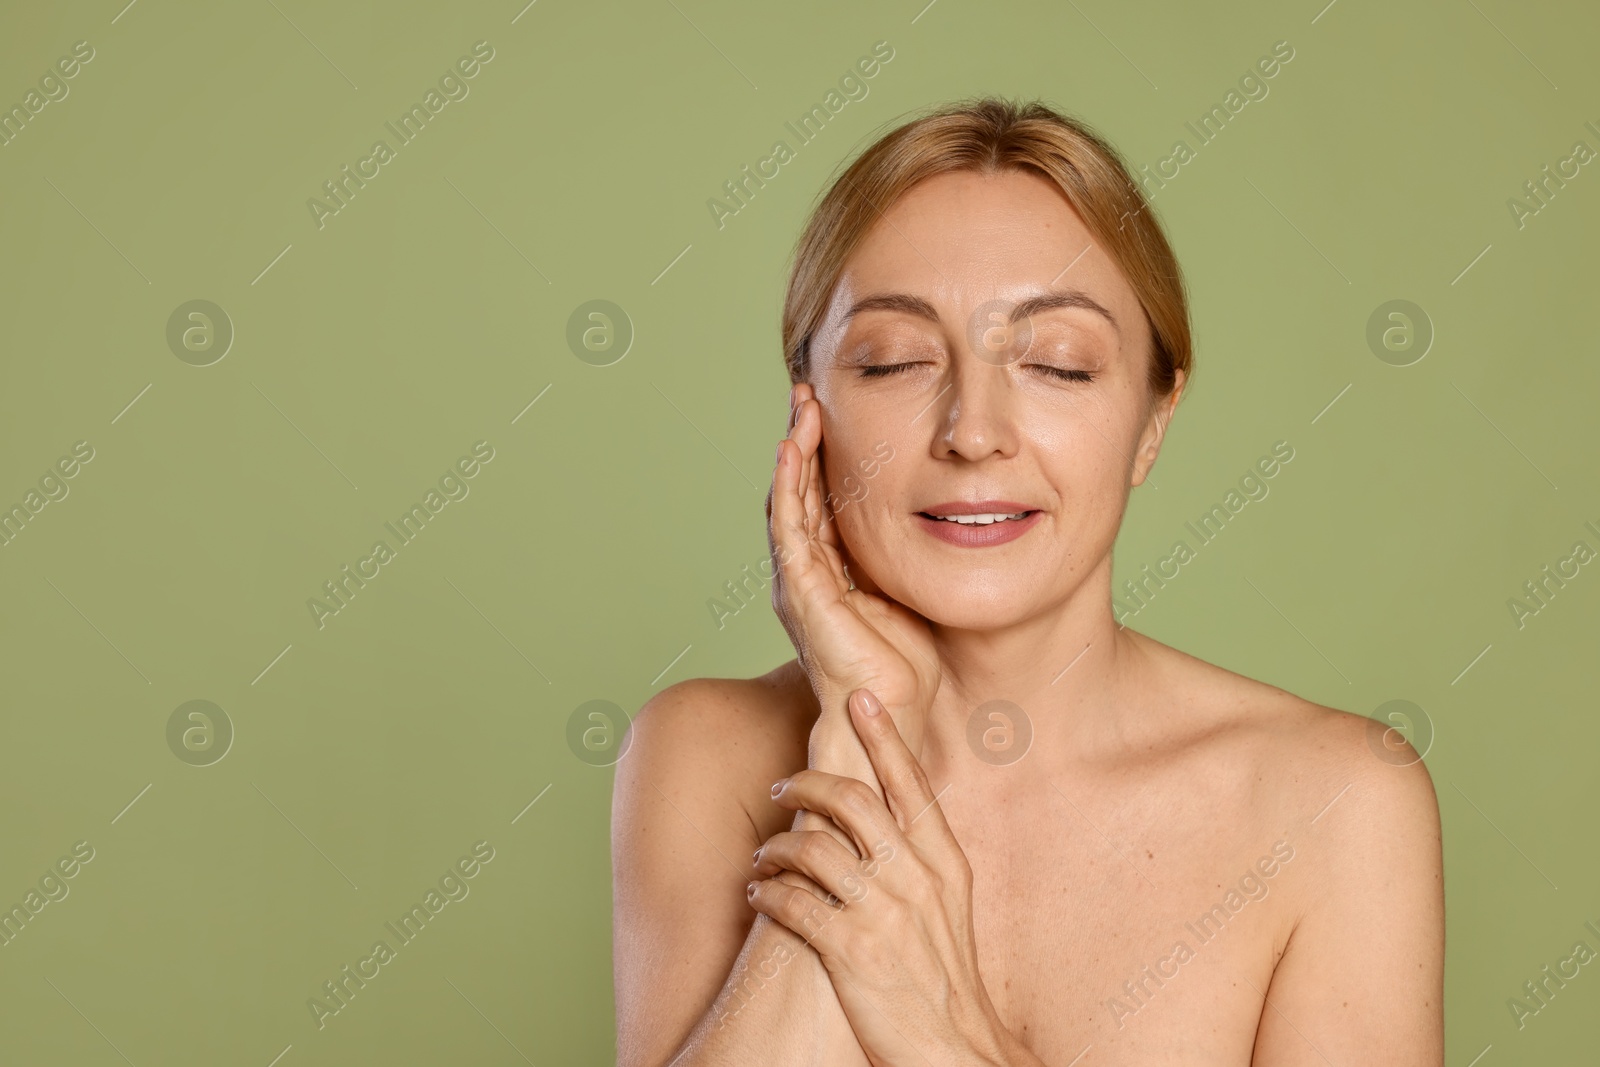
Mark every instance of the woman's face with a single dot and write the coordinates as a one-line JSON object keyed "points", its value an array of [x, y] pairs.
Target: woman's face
{"points": [[1050, 415]]}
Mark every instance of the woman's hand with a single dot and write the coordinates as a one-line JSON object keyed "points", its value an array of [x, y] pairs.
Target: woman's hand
{"points": [[846, 638], [899, 945]]}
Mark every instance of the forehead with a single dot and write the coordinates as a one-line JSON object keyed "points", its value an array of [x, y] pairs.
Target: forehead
{"points": [[962, 238]]}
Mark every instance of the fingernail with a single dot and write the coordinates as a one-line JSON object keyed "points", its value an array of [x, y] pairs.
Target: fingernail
{"points": [[869, 703], [777, 787], [750, 890], [755, 857]]}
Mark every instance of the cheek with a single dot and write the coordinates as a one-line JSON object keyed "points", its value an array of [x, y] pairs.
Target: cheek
{"points": [[875, 545], [864, 507], [855, 479], [1087, 467], [853, 449], [1089, 440]]}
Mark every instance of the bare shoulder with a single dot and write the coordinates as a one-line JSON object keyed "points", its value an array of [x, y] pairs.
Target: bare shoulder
{"points": [[711, 740], [714, 720], [1307, 761], [1359, 940], [690, 803]]}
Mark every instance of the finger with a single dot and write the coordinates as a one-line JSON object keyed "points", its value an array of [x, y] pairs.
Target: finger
{"points": [[816, 854], [798, 394], [796, 909], [824, 530], [906, 788], [795, 394], [787, 528], [804, 882], [817, 497], [806, 576], [816, 536], [807, 434], [853, 806]]}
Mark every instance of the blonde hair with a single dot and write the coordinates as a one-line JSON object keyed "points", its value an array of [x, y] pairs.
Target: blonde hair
{"points": [[991, 135]]}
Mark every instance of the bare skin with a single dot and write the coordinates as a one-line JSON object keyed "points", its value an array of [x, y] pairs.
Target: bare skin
{"points": [[1034, 913]]}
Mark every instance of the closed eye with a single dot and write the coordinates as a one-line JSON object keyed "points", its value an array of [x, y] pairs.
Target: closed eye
{"points": [[880, 370], [1064, 373]]}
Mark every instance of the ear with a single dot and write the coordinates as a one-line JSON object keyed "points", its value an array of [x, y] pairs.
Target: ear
{"points": [[1155, 430]]}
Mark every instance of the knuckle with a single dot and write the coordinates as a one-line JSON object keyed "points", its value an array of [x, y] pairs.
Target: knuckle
{"points": [[905, 783], [787, 903], [813, 918], [919, 777], [859, 797], [957, 877], [811, 847], [925, 885], [871, 953]]}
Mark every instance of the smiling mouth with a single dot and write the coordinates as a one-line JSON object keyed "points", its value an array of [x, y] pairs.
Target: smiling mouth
{"points": [[977, 520]]}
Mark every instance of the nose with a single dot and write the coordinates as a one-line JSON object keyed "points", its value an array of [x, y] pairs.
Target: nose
{"points": [[976, 412]]}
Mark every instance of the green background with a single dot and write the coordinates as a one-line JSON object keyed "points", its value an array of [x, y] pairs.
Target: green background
{"points": [[425, 316]]}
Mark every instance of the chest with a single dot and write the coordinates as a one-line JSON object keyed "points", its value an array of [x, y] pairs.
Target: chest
{"points": [[1119, 922]]}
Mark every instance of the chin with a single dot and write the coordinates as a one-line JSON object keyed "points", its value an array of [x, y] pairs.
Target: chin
{"points": [[979, 615], [980, 599]]}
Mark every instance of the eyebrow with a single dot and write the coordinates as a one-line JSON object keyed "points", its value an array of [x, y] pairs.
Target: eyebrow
{"points": [[1063, 298], [911, 305], [915, 305]]}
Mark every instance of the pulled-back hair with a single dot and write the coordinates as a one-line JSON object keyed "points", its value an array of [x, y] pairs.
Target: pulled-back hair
{"points": [[988, 136]]}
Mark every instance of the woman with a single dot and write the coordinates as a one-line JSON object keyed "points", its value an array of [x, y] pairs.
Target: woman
{"points": [[979, 821]]}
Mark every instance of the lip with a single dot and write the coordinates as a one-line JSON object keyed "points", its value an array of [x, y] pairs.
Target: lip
{"points": [[979, 507], [996, 533]]}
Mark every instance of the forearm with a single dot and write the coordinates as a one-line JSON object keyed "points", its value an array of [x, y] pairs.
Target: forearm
{"points": [[777, 1007], [975, 1036], [834, 746]]}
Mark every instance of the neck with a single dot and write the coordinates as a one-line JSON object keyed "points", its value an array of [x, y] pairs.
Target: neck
{"points": [[1071, 670]]}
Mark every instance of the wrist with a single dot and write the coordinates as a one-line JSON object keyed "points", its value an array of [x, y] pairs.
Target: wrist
{"points": [[833, 726], [832, 702], [835, 748]]}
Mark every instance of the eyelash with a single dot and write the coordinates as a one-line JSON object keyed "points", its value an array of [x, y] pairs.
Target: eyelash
{"points": [[882, 370], [885, 369]]}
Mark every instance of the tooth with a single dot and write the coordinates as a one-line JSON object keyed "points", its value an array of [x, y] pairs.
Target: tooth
{"points": [[980, 520]]}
